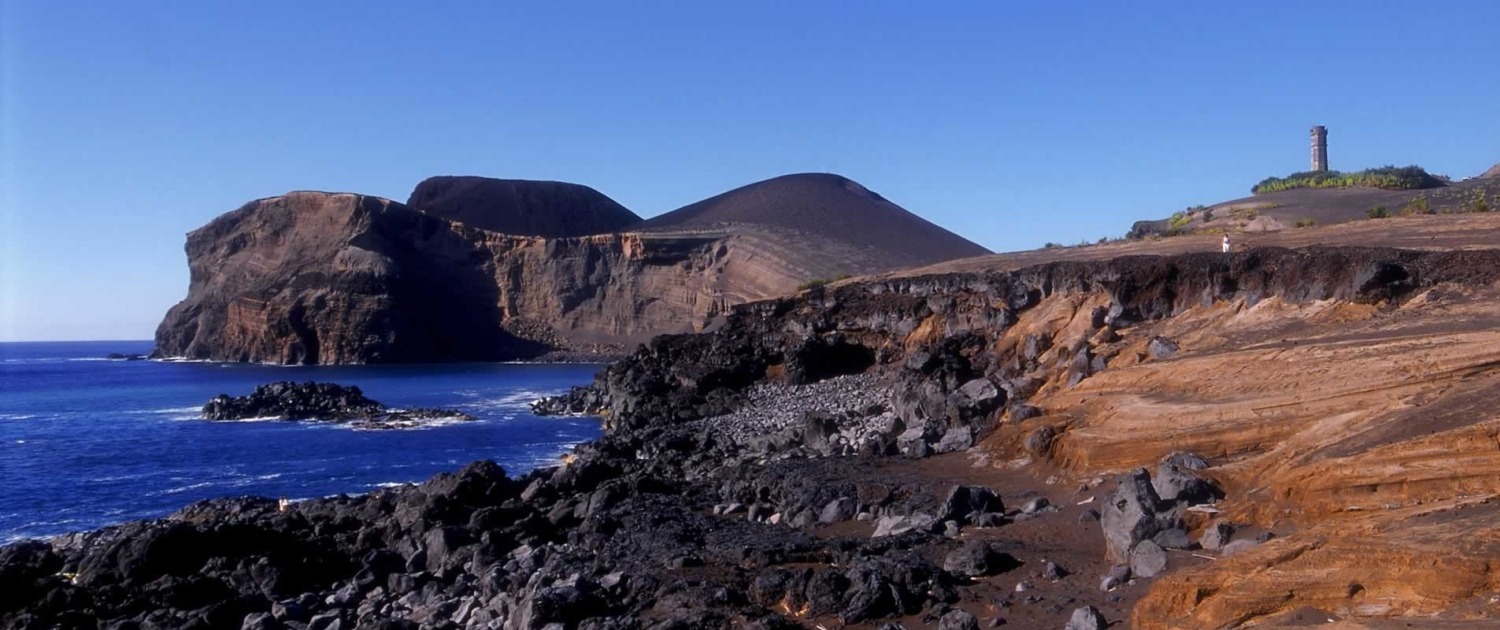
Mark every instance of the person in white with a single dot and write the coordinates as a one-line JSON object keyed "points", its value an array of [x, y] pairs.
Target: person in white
{"points": [[1226, 243]]}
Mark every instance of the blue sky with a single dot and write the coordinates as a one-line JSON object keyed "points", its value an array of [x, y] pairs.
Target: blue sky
{"points": [[123, 124]]}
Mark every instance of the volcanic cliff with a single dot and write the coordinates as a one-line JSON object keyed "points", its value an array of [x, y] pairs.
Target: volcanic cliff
{"points": [[313, 277]]}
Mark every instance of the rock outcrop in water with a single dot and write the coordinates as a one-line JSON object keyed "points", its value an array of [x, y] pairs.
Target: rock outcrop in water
{"points": [[327, 402], [320, 278], [779, 472]]}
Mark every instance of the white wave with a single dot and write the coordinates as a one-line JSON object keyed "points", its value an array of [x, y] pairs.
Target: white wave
{"points": [[173, 410], [65, 521], [130, 477], [402, 425], [92, 359], [223, 363], [391, 484], [245, 480], [443, 422], [20, 441], [256, 419], [199, 417], [181, 489], [514, 401], [17, 416]]}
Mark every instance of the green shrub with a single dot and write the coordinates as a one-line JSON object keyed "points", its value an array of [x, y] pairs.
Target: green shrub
{"points": [[818, 282], [1479, 202], [1385, 178], [1178, 222], [1417, 206], [1378, 212], [1208, 215], [1305, 222]]}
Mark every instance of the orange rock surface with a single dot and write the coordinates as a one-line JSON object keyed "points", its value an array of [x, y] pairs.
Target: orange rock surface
{"points": [[1369, 434]]}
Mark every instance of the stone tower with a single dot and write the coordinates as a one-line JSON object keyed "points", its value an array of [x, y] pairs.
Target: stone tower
{"points": [[1319, 148]]}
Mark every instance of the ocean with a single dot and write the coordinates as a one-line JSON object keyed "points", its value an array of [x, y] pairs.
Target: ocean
{"points": [[87, 442]]}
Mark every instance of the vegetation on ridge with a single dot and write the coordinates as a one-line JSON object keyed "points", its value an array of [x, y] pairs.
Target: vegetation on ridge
{"points": [[1385, 178]]}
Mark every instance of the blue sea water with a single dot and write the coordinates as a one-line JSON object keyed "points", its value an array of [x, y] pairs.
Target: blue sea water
{"points": [[87, 442]]}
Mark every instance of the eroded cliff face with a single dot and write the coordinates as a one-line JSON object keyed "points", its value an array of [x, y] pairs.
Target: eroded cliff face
{"points": [[342, 278], [335, 278], [1345, 397], [1090, 302]]}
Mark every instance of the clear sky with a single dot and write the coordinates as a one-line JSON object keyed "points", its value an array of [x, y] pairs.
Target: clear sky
{"points": [[124, 124]]}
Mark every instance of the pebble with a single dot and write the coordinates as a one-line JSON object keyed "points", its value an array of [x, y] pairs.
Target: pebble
{"points": [[771, 408]]}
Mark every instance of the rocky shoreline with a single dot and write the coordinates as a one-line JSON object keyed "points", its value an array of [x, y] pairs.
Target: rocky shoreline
{"points": [[819, 460], [746, 532]]}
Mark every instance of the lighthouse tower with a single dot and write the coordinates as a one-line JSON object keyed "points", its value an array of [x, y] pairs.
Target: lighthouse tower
{"points": [[1319, 148]]}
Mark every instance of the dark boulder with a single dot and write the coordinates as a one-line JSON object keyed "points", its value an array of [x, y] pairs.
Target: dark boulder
{"points": [[1161, 348], [1173, 538], [1087, 618], [962, 502], [1129, 515], [818, 429], [1216, 535], [1186, 461], [958, 620], [1147, 559], [977, 559], [579, 401], [1176, 483], [1021, 412]]}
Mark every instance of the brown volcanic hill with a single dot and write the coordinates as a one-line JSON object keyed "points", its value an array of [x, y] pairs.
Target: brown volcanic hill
{"points": [[523, 207], [1282, 210], [1493, 172], [823, 207]]}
